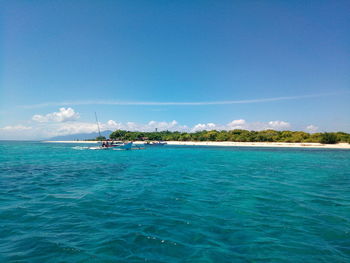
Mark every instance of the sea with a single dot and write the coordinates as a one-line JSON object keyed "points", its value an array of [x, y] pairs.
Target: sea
{"points": [[67, 203]]}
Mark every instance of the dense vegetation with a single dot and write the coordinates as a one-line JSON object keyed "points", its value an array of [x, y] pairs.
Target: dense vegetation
{"points": [[234, 135]]}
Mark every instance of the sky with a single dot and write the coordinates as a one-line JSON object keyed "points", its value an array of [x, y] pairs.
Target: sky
{"points": [[177, 65]]}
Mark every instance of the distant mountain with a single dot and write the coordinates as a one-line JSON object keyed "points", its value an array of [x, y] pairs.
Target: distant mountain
{"points": [[80, 136]]}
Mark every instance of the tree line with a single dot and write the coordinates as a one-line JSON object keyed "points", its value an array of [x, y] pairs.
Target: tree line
{"points": [[237, 135]]}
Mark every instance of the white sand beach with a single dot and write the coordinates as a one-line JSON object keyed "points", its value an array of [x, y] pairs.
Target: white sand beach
{"points": [[85, 142], [265, 144], [236, 144]]}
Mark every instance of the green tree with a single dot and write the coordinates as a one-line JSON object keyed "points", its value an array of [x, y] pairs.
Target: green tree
{"points": [[211, 135], [328, 138], [342, 137], [185, 137], [315, 137], [237, 135], [300, 136], [118, 135], [222, 136]]}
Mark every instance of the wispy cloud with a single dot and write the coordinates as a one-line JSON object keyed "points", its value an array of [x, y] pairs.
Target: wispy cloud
{"points": [[158, 103]]}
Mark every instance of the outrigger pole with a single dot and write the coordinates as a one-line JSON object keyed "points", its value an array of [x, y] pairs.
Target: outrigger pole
{"points": [[98, 125]]}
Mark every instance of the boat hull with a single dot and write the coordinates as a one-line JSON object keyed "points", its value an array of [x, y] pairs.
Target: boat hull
{"points": [[121, 146]]}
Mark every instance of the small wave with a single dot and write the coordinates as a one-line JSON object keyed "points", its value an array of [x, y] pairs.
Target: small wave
{"points": [[80, 147]]}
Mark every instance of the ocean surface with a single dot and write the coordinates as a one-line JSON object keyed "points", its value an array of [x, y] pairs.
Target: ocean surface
{"points": [[61, 203]]}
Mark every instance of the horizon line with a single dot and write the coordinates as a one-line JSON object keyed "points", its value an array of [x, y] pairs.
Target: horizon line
{"points": [[191, 103]]}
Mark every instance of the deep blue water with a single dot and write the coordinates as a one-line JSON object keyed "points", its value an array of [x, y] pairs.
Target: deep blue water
{"points": [[173, 204]]}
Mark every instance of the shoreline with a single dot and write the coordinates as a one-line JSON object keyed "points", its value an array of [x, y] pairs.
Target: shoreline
{"points": [[236, 144], [265, 144]]}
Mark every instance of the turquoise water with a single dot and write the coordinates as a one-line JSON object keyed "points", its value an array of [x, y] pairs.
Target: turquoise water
{"points": [[173, 204]]}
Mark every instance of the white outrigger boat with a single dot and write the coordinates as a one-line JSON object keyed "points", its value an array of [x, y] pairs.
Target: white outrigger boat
{"points": [[156, 143], [111, 145], [116, 145]]}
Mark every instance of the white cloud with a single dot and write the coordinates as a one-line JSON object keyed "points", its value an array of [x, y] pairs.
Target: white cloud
{"points": [[199, 127], [72, 128], [171, 126], [64, 114], [237, 124], [112, 123], [57, 124], [279, 125], [150, 126], [312, 128], [16, 128], [243, 124], [16, 132]]}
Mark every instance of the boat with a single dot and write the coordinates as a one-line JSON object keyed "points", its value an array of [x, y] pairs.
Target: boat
{"points": [[123, 145], [156, 143], [107, 144], [117, 145]]}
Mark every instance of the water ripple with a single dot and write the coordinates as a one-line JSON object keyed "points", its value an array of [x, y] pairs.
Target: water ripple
{"points": [[173, 204]]}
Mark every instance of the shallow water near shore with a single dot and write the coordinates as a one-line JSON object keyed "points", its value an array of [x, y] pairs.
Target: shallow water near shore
{"points": [[60, 203]]}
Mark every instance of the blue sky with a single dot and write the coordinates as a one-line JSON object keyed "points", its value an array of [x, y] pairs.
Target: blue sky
{"points": [[92, 55]]}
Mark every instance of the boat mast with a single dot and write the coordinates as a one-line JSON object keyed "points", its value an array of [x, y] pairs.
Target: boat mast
{"points": [[98, 125]]}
